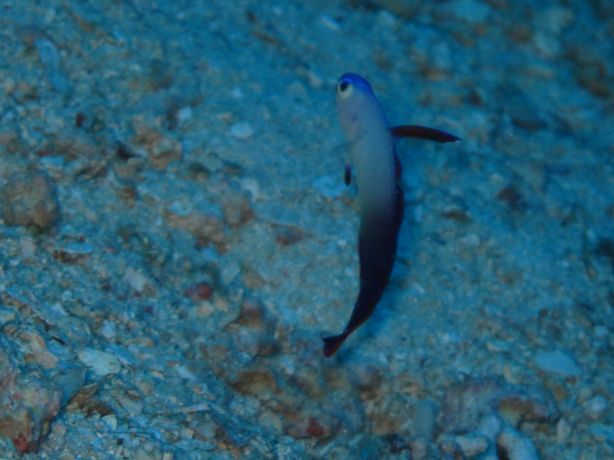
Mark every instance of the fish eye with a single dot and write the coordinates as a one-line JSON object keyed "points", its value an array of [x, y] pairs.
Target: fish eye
{"points": [[344, 88]]}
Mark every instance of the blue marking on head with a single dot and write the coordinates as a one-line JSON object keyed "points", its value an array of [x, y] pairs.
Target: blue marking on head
{"points": [[352, 79]]}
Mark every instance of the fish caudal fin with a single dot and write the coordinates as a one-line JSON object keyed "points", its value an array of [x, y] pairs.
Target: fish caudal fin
{"points": [[332, 343]]}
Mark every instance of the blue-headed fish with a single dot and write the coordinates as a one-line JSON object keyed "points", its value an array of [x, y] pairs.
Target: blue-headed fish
{"points": [[373, 160]]}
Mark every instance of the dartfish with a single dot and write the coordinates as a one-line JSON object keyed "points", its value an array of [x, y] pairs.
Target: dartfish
{"points": [[373, 161]]}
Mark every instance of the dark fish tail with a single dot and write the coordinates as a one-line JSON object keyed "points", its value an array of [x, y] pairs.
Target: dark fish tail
{"points": [[333, 342], [377, 248]]}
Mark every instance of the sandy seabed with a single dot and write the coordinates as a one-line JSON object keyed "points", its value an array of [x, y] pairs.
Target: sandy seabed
{"points": [[176, 237]]}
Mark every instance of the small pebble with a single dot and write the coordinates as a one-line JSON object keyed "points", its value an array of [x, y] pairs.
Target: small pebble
{"points": [[601, 332], [29, 199], [425, 416], [516, 446], [185, 373], [108, 329], [230, 271], [251, 186], [490, 427], [236, 208], [136, 279], [557, 362], [110, 420], [329, 186], [602, 432], [6, 315], [547, 44], [329, 23], [472, 445], [50, 57], [28, 247], [100, 362], [555, 19], [595, 406], [237, 93], [73, 252], [366, 378], [184, 113], [563, 430], [242, 130], [469, 10], [199, 291]]}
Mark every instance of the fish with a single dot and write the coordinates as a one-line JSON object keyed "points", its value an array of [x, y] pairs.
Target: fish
{"points": [[373, 161]]}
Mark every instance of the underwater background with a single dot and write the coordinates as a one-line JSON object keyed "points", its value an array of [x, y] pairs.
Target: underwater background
{"points": [[176, 236]]}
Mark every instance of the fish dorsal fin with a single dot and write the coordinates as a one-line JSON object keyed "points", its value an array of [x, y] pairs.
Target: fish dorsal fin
{"points": [[422, 132]]}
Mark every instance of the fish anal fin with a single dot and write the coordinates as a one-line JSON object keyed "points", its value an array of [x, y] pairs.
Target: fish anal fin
{"points": [[398, 168], [422, 132]]}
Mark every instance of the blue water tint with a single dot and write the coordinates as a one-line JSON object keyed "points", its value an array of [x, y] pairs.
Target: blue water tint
{"points": [[173, 201]]}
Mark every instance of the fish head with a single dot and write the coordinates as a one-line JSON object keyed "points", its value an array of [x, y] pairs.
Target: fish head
{"points": [[355, 99], [348, 81]]}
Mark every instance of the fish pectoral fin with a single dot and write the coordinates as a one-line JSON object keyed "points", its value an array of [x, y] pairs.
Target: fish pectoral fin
{"points": [[347, 178], [422, 132]]}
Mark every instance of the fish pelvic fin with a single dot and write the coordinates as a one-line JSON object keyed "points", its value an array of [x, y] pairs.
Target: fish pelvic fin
{"points": [[348, 174], [333, 342]]}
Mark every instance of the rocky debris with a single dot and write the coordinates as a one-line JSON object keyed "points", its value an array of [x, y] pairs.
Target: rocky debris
{"points": [[29, 199], [85, 400], [206, 229], [305, 425], [28, 405], [176, 234], [486, 411], [73, 154], [602, 432], [237, 208], [467, 403], [159, 148], [591, 71], [73, 253], [287, 235], [251, 334]]}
